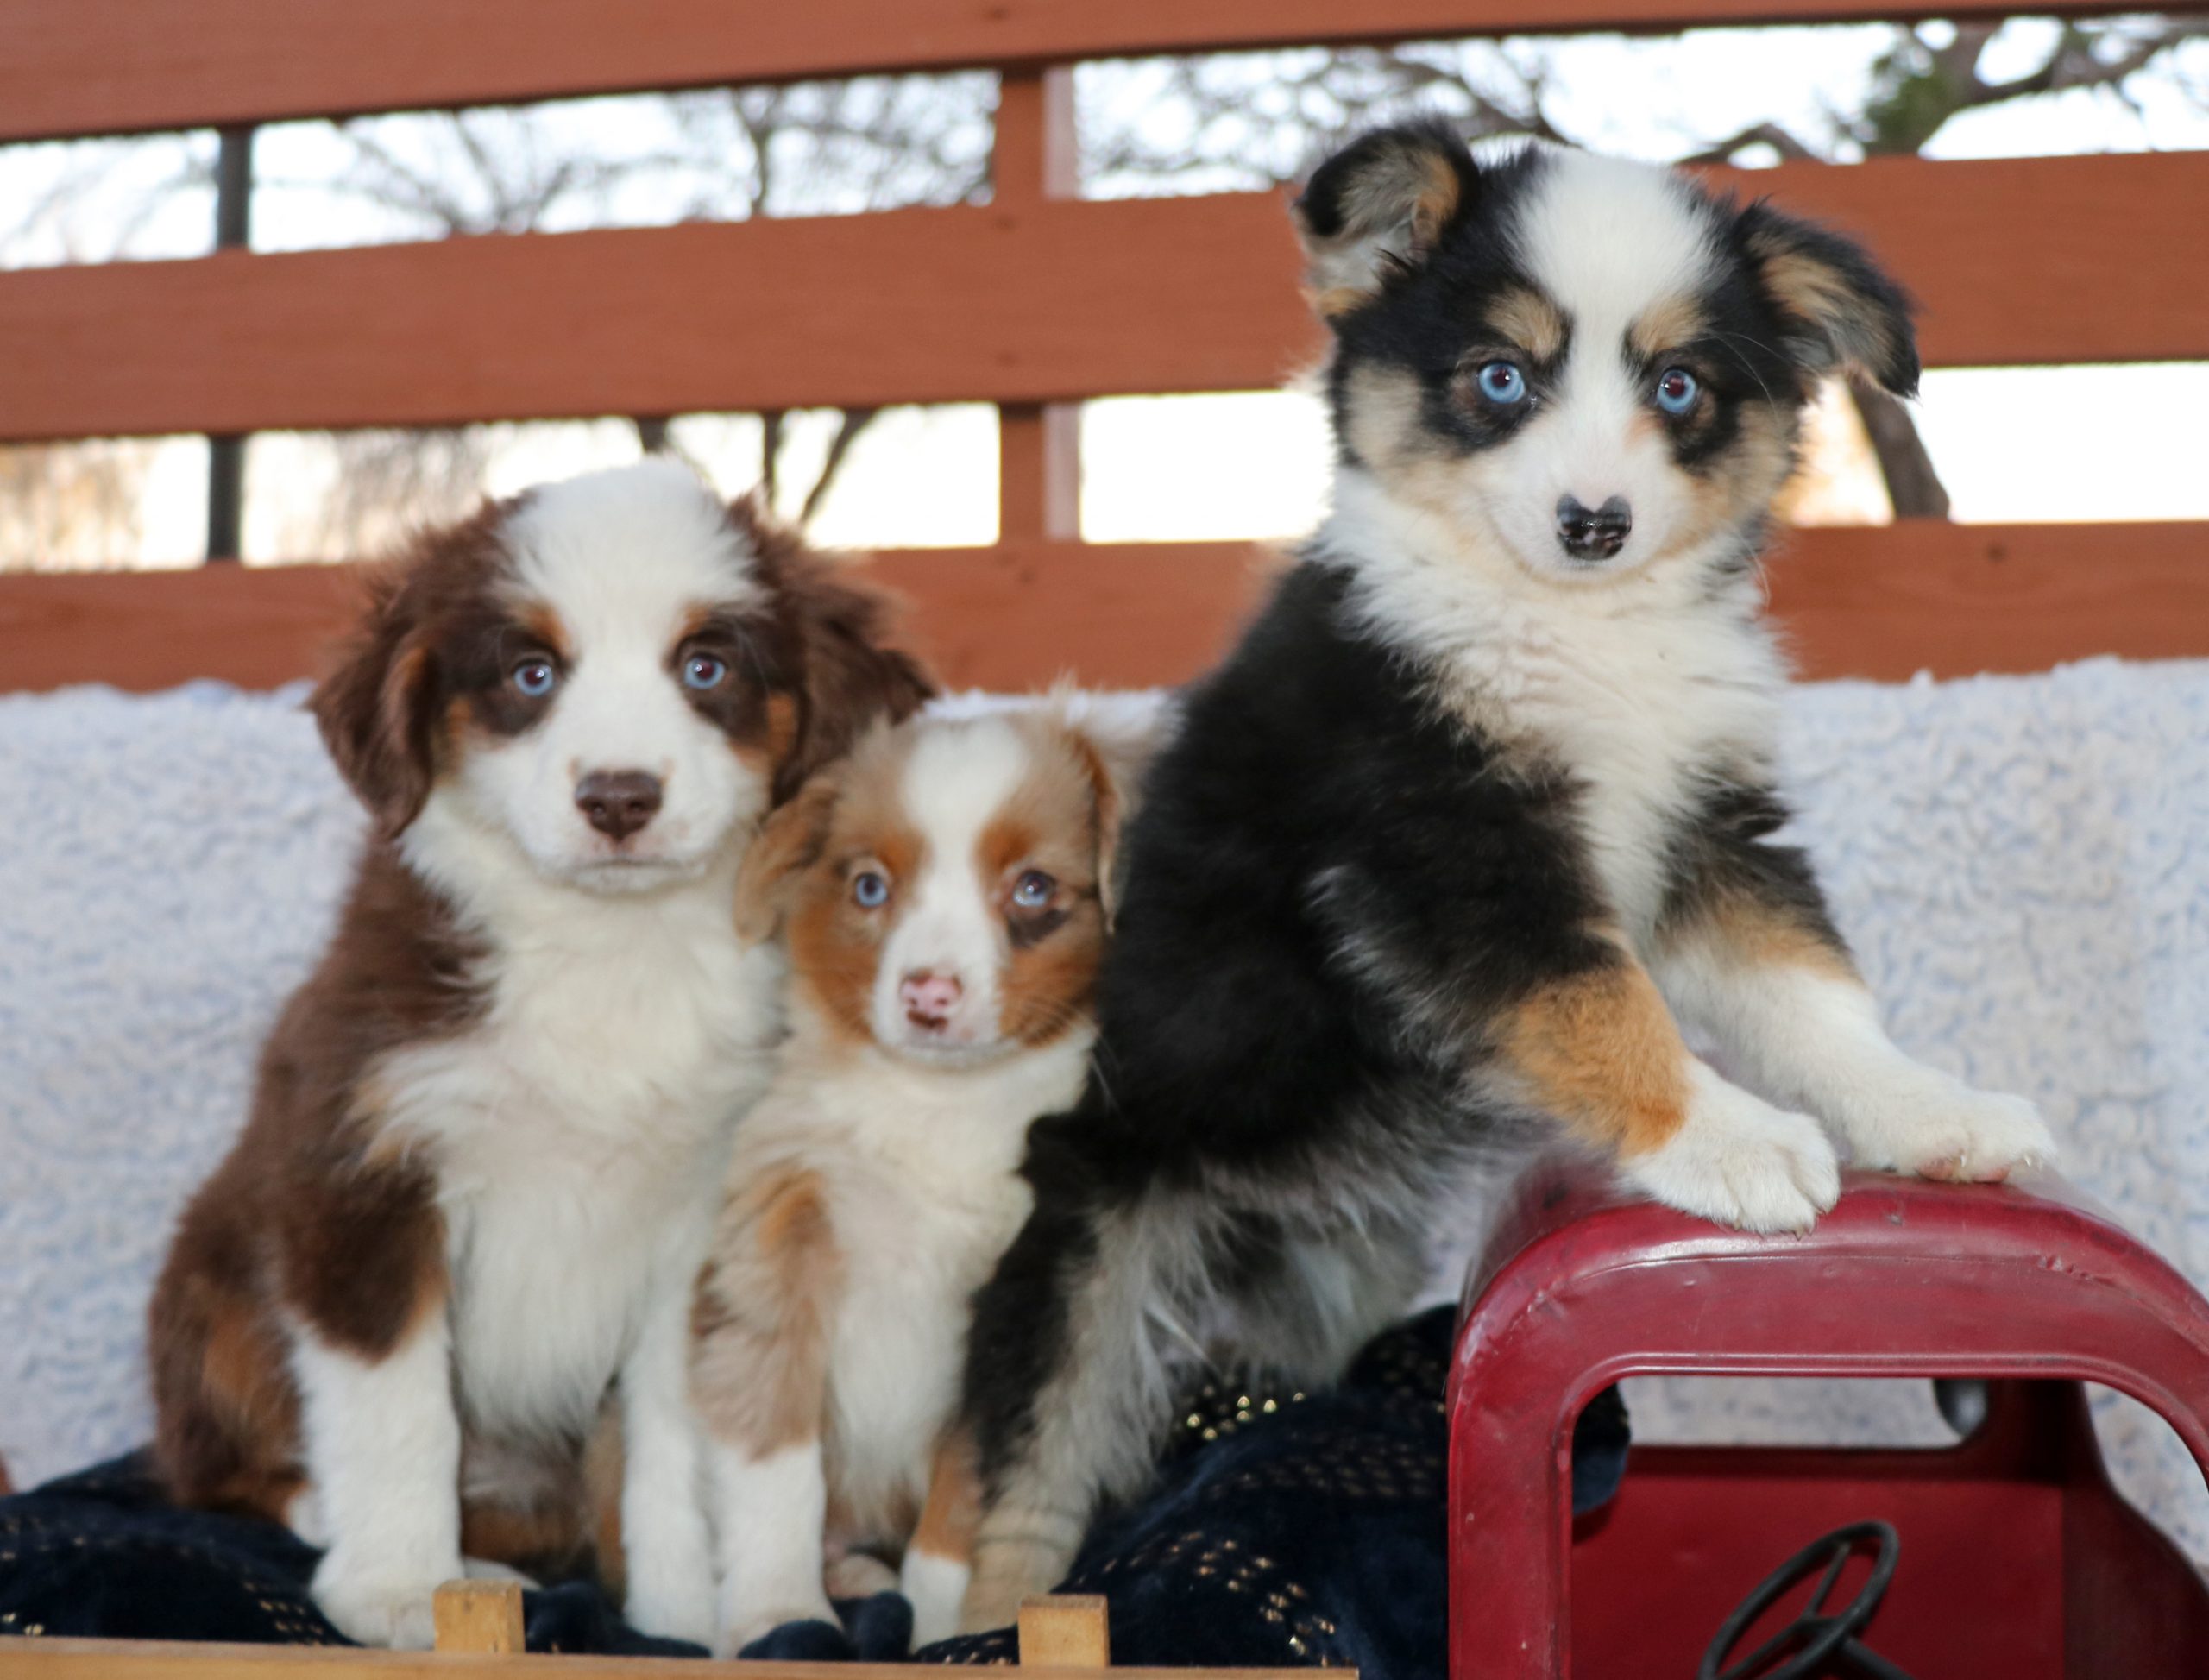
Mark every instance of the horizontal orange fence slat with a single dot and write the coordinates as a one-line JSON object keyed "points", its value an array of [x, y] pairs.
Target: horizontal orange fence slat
{"points": [[903, 306], [1881, 602], [2016, 261], [94, 66]]}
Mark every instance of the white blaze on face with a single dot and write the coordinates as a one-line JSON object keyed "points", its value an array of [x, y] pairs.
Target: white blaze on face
{"points": [[623, 559], [956, 782], [1605, 240]]}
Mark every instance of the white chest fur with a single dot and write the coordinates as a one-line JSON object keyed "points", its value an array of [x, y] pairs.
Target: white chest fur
{"points": [[920, 1169], [577, 1129], [1640, 689]]}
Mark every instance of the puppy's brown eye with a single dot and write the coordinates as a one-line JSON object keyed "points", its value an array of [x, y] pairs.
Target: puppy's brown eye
{"points": [[1033, 890]]}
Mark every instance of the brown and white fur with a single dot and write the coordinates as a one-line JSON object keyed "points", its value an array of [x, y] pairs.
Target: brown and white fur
{"points": [[947, 892], [477, 1177]]}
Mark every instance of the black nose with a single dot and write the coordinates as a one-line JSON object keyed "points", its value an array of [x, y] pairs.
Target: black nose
{"points": [[1593, 533], [618, 802]]}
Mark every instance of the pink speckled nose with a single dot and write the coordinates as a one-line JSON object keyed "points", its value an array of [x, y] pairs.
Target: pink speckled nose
{"points": [[930, 997]]}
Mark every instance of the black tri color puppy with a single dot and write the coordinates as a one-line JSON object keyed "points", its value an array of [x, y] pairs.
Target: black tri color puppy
{"points": [[1475, 822]]}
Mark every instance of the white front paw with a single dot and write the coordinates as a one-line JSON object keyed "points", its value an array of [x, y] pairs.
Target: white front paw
{"points": [[1940, 1128], [1740, 1161], [935, 1586], [381, 1606], [674, 1601]]}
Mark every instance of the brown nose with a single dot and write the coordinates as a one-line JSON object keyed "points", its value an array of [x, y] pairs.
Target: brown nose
{"points": [[930, 997], [618, 802]]}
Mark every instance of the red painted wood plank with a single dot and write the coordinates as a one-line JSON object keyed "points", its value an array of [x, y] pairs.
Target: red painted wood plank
{"points": [[113, 66], [1050, 302], [1882, 603]]}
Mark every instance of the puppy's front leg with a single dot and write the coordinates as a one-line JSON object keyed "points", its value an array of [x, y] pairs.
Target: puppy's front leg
{"points": [[1596, 1048], [382, 1443], [939, 1558], [1767, 978], [668, 1553], [1746, 951], [1066, 1384], [772, 1508], [759, 1377]]}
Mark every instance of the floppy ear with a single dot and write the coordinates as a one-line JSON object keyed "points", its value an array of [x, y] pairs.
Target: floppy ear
{"points": [[1115, 737], [1111, 810], [848, 677], [1843, 311], [790, 840], [374, 710], [1378, 207]]}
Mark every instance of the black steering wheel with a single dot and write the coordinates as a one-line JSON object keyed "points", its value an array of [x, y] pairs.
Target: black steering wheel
{"points": [[1802, 1649]]}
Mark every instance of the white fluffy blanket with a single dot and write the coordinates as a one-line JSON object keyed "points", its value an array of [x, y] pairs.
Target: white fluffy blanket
{"points": [[2019, 861]]}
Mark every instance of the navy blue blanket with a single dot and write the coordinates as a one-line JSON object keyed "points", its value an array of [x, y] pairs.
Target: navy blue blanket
{"points": [[1285, 1529]]}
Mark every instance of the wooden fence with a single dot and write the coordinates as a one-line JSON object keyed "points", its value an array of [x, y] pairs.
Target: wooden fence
{"points": [[1034, 301]]}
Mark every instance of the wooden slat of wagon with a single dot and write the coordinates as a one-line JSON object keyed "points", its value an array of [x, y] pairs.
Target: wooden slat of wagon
{"points": [[1881, 602], [100, 66], [1053, 301]]}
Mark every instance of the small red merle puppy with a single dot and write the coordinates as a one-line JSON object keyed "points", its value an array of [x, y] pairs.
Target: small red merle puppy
{"points": [[1478, 818], [485, 1149]]}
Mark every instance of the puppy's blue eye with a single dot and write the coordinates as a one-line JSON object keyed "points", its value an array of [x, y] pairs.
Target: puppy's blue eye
{"points": [[1502, 382], [1677, 390], [869, 890], [703, 671], [1033, 890], [536, 677]]}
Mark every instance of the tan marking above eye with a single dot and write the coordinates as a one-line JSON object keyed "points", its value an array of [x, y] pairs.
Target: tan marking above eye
{"points": [[1526, 319], [542, 625], [1667, 324]]}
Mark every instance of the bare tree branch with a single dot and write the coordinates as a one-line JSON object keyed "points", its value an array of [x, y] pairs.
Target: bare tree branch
{"points": [[771, 455], [848, 427], [1913, 487], [1757, 134]]}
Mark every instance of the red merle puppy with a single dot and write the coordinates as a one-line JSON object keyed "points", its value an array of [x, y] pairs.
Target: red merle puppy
{"points": [[468, 1207]]}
